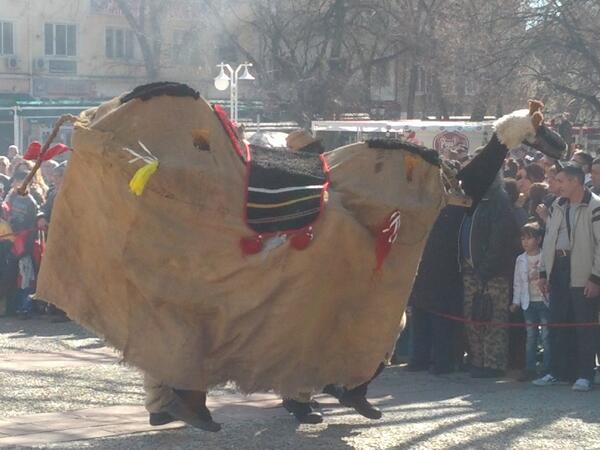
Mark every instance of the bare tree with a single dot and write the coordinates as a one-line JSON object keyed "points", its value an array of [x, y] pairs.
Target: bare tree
{"points": [[316, 56], [145, 23], [563, 39]]}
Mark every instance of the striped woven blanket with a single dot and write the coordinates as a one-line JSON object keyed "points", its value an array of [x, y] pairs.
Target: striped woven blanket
{"points": [[285, 190]]}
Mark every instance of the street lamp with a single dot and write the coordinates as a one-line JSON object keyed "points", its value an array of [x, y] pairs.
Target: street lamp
{"points": [[229, 78]]}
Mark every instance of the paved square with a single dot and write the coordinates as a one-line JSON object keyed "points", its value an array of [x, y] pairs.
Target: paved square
{"points": [[60, 387]]}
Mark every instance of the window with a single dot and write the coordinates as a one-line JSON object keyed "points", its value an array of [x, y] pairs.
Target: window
{"points": [[119, 43], [186, 51], [60, 39], [6, 38]]}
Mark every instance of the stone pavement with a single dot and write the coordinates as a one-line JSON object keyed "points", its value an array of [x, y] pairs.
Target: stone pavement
{"points": [[52, 428], [64, 358], [85, 424], [61, 388]]}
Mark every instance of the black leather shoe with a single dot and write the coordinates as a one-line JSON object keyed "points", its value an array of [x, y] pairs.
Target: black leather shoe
{"points": [[198, 419], [302, 411], [161, 418], [362, 406]]}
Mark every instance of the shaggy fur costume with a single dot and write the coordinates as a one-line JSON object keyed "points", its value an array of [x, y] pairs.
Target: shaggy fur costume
{"points": [[515, 128]]}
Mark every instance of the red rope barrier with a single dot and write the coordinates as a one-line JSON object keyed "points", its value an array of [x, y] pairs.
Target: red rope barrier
{"points": [[510, 324]]}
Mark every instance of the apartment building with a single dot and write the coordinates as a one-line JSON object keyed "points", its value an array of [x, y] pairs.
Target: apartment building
{"points": [[59, 56]]}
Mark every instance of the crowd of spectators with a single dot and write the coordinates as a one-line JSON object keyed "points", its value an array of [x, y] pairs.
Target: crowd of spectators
{"points": [[491, 284], [24, 224], [492, 280]]}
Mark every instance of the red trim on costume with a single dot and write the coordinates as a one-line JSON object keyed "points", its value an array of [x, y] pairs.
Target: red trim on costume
{"points": [[251, 245], [302, 240], [243, 153], [299, 238]]}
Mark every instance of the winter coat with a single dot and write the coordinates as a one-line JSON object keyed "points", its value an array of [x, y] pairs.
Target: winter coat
{"points": [[20, 211], [438, 284], [585, 240], [494, 238]]}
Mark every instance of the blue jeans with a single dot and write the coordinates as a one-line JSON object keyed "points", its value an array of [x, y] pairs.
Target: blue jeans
{"points": [[537, 312]]}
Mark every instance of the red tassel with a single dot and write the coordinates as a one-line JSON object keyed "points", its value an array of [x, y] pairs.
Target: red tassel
{"points": [[385, 238], [33, 151], [251, 245], [302, 240], [53, 151]]}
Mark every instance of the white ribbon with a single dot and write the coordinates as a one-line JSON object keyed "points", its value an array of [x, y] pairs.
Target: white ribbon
{"points": [[394, 227], [148, 158]]}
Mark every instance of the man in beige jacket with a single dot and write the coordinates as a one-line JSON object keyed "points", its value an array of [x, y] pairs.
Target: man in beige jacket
{"points": [[570, 274]]}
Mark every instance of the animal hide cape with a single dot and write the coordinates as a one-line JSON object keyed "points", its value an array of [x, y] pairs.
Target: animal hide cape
{"points": [[162, 277]]}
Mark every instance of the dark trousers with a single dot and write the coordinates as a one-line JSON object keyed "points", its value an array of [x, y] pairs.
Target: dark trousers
{"points": [[339, 391], [573, 349], [361, 390], [432, 339], [516, 342]]}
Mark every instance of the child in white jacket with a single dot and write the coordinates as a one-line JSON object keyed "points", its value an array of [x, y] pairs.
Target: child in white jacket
{"points": [[528, 296]]}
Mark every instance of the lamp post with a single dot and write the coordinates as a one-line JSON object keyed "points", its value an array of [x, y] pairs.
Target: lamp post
{"points": [[230, 80]]}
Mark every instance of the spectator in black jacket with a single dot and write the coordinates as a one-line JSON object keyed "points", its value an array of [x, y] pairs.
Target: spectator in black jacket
{"points": [[489, 243], [510, 186], [437, 289]]}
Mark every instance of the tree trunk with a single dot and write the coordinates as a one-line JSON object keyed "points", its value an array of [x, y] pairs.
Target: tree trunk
{"points": [[440, 99], [479, 107], [367, 73], [151, 62], [336, 65], [412, 90], [499, 109]]}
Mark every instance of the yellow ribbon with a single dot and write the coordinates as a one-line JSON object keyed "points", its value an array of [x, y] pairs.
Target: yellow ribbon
{"points": [[142, 176]]}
